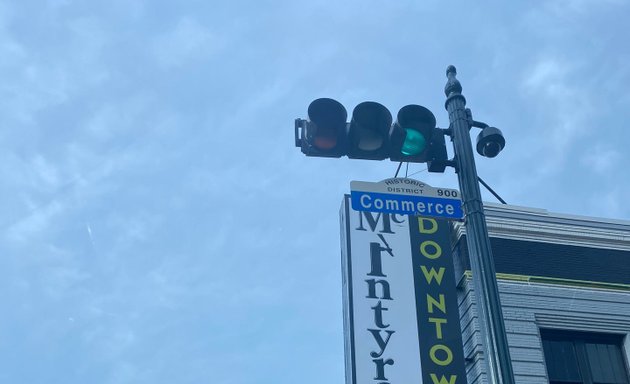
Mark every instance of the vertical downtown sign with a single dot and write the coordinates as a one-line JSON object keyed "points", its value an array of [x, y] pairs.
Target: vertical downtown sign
{"points": [[401, 318]]}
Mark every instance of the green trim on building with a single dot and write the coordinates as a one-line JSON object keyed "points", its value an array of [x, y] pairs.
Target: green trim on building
{"points": [[558, 281]]}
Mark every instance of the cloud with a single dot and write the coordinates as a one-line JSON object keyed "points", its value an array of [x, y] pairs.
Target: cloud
{"points": [[188, 41], [563, 104], [602, 159], [47, 77], [46, 173], [579, 6], [35, 222]]}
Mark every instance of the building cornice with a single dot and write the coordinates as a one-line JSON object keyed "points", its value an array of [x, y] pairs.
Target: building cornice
{"points": [[530, 224]]}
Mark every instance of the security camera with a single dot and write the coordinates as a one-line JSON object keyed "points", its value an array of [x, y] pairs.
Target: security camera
{"points": [[490, 142]]}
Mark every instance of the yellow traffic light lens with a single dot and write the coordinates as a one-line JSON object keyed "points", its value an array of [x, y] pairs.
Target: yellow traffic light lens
{"points": [[369, 140], [414, 143]]}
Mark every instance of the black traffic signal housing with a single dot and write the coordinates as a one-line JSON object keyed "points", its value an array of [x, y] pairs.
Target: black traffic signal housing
{"points": [[370, 134], [411, 134], [324, 133], [415, 139], [327, 134], [437, 156]]}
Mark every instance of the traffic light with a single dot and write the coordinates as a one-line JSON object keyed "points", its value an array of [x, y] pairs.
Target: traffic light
{"points": [[411, 134], [371, 135], [324, 133], [415, 139], [368, 134]]}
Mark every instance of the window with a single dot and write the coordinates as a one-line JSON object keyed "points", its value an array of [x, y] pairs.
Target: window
{"points": [[581, 357]]}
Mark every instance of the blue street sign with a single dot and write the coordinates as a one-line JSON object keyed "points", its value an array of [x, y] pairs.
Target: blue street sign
{"points": [[406, 197]]}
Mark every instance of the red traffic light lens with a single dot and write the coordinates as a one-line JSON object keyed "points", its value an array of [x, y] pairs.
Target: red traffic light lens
{"points": [[325, 139], [327, 123]]}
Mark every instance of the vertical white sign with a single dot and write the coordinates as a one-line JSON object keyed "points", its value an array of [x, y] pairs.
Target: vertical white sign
{"points": [[379, 299]]}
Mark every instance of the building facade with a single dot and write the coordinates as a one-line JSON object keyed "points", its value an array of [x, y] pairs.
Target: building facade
{"points": [[564, 283]]}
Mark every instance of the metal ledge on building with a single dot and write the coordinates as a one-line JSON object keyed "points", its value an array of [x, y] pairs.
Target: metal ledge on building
{"points": [[531, 224]]}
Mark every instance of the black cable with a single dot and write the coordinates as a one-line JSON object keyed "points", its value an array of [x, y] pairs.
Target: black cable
{"points": [[491, 190], [399, 165], [422, 170]]}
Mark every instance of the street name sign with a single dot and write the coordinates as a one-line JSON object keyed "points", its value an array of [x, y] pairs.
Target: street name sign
{"points": [[406, 197]]}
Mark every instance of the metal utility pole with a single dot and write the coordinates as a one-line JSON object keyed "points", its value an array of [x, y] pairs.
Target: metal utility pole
{"points": [[495, 346]]}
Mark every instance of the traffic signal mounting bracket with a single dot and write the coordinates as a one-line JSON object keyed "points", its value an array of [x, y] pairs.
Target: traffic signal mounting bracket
{"points": [[299, 123]]}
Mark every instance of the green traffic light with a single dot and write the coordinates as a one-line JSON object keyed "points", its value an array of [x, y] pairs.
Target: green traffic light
{"points": [[414, 143]]}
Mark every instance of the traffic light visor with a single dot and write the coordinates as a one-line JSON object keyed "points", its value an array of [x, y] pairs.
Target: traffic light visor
{"points": [[417, 122], [328, 123], [370, 126]]}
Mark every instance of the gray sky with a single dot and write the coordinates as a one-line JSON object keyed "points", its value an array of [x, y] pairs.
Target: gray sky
{"points": [[157, 223]]}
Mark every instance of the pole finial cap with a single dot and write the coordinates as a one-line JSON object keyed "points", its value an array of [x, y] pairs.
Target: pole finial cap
{"points": [[452, 85]]}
